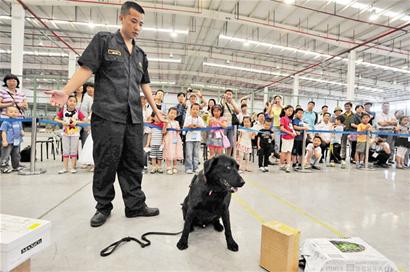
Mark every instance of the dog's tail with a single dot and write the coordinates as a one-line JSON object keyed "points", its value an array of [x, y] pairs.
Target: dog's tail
{"points": [[111, 248]]}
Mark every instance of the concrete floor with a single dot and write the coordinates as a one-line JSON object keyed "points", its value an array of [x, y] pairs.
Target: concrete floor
{"points": [[373, 205]]}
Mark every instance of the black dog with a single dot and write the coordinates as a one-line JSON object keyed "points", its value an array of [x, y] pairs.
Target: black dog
{"points": [[209, 197]]}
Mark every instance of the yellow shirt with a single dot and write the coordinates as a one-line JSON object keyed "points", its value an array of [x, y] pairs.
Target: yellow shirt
{"points": [[361, 138], [275, 112]]}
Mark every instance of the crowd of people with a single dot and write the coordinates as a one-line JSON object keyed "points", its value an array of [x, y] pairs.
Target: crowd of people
{"points": [[196, 126]]}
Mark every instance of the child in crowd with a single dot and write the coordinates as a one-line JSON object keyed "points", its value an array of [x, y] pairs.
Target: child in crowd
{"points": [[402, 143], [12, 135], [215, 137], [70, 117], [313, 153], [244, 145], [364, 126], [379, 153], [336, 141], [265, 145], [287, 135], [193, 139], [155, 141], [299, 128], [172, 142]]}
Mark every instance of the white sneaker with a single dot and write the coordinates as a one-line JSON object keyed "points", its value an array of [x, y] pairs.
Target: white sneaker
{"points": [[189, 172], [174, 171], [73, 171], [287, 170], [169, 172], [262, 169], [266, 169], [63, 171], [343, 165]]}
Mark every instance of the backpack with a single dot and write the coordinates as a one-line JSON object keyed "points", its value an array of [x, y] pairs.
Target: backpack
{"points": [[25, 154]]}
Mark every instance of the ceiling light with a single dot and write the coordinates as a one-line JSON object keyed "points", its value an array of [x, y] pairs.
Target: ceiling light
{"points": [[373, 17], [163, 83], [91, 25], [171, 55], [289, 2], [309, 53], [164, 60], [174, 34], [246, 44]]}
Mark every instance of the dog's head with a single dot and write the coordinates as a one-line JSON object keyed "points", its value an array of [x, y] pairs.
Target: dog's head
{"points": [[222, 172]]}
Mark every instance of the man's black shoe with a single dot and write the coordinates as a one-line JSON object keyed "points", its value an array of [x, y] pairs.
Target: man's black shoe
{"points": [[144, 212], [315, 167], [98, 219]]}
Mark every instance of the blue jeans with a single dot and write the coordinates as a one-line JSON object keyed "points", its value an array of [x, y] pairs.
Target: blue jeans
{"points": [[192, 155], [277, 132]]}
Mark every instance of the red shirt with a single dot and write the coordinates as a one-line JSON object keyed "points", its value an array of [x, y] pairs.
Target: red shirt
{"points": [[286, 123]]}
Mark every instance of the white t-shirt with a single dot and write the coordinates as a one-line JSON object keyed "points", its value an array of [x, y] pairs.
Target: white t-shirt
{"points": [[146, 113], [193, 136], [326, 137], [337, 137], [311, 147], [382, 117]]}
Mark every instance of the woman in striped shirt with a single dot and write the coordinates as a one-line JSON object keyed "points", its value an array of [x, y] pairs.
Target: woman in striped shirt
{"points": [[11, 95]]}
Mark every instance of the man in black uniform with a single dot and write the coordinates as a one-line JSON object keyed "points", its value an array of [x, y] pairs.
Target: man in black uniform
{"points": [[121, 69]]}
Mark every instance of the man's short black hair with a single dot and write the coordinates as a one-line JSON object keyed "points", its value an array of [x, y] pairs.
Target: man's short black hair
{"points": [[325, 106], [131, 5], [160, 90], [229, 91], [349, 103], [181, 93], [312, 102], [358, 106], [326, 113], [244, 106], [260, 114]]}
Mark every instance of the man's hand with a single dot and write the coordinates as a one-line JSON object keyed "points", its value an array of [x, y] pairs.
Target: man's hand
{"points": [[5, 143], [58, 97], [161, 116]]}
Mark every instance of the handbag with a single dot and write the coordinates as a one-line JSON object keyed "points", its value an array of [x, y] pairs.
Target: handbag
{"points": [[225, 140], [352, 137], [235, 120]]}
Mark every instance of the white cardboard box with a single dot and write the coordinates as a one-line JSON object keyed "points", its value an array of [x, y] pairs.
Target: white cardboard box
{"points": [[350, 254], [21, 238]]}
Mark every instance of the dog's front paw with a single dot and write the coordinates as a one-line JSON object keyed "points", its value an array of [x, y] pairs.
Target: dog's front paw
{"points": [[182, 245], [233, 246]]}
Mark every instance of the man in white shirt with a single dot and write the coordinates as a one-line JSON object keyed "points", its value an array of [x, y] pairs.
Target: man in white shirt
{"points": [[326, 137], [386, 122]]}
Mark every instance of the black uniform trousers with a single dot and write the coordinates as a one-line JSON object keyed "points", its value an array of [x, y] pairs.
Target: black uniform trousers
{"points": [[264, 154], [118, 149]]}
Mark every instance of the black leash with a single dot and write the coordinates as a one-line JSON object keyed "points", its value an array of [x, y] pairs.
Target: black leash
{"points": [[111, 248]]}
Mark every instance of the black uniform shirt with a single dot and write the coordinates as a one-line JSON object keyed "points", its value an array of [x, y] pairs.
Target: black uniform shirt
{"points": [[118, 76]]}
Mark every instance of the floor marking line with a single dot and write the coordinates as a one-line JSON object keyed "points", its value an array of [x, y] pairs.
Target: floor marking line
{"points": [[297, 209], [248, 208], [64, 200]]}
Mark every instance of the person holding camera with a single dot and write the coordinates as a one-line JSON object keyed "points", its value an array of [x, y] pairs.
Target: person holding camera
{"points": [[231, 111]]}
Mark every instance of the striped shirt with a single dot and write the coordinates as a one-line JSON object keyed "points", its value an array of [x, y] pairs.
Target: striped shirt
{"points": [[6, 96], [156, 134]]}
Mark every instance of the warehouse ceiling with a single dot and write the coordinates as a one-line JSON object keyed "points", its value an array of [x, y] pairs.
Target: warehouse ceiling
{"points": [[244, 45]]}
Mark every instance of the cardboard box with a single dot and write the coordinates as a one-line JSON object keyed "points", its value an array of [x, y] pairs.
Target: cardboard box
{"points": [[279, 247], [20, 239], [350, 254]]}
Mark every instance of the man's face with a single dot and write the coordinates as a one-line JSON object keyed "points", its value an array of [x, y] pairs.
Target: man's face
{"points": [[132, 23], [337, 113], [385, 108], [159, 95], [359, 110], [367, 107], [325, 109], [192, 99], [181, 99], [310, 106], [228, 96], [244, 109], [326, 118], [348, 107]]}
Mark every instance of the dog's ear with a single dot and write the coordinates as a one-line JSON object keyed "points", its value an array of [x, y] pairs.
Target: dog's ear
{"points": [[209, 164]]}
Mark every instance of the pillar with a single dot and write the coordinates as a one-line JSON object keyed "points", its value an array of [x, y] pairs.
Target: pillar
{"points": [[295, 98], [72, 60], [17, 40], [351, 65]]}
